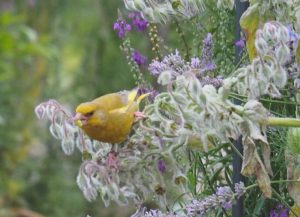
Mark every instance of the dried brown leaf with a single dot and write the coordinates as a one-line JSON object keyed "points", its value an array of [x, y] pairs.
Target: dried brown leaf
{"points": [[293, 173], [253, 166]]}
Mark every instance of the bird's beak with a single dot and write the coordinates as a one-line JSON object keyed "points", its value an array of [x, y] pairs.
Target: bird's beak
{"points": [[79, 119]]}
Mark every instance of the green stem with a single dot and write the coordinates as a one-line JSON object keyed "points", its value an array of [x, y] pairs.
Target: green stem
{"points": [[273, 121], [236, 150], [243, 97], [283, 122], [233, 73], [209, 182], [181, 35]]}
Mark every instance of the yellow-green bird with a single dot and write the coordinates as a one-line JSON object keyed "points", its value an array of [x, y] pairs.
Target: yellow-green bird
{"points": [[109, 118]]}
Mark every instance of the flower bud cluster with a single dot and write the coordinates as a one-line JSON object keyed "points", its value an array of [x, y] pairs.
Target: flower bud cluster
{"points": [[61, 126], [174, 65], [135, 61], [162, 11], [268, 71], [285, 11]]}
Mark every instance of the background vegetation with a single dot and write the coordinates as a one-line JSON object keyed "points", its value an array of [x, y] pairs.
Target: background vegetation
{"points": [[61, 49]]}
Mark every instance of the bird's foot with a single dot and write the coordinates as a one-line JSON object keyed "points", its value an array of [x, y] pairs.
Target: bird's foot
{"points": [[139, 115], [112, 160]]}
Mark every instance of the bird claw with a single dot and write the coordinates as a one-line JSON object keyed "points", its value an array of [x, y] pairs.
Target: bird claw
{"points": [[139, 115], [112, 160]]}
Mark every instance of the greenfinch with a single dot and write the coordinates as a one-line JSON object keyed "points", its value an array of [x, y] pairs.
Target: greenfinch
{"points": [[109, 118]]}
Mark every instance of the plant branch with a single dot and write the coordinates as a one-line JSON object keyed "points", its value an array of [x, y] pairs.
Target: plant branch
{"points": [[283, 122], [181, 34]]}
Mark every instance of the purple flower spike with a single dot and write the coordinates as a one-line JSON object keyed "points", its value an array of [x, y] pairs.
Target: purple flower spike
{"points": [[208, 41], [156, 67], [240, 43], [224, 198], [195, 63], [205, 63], [137, 20], [122, 27], [161, 166], [139, 58]]}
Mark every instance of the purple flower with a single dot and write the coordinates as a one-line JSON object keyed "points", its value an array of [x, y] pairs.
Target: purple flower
{"points": [[208, 41], [279, 211], [122, 27], [157, 67], [172, 62], [205, 63], [137, 20], [224, 198], [195, 63], [239, 189], [284, 212], [273, 213], [139, 58], [216, 82], [208, 67], [161, 165], [240, 43], [207, 48]]}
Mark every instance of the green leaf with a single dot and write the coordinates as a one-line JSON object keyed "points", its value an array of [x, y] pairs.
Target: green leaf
{"points": [[249, 23], [259, 206], [216, 174]]}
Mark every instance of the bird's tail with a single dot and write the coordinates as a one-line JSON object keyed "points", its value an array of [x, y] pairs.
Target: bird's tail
{"points": [[133, 102], [133, 94]]}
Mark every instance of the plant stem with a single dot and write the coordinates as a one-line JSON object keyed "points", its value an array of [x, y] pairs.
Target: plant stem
{"points": [[265, 100], [208, 181], [283, 122], [181, 35], [236, 150]]}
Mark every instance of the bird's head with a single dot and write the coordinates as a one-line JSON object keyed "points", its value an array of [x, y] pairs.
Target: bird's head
{"points": [[88, 114]]}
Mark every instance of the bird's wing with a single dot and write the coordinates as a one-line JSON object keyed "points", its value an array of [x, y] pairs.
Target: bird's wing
{"points": [[111, 101], [132, 105]]}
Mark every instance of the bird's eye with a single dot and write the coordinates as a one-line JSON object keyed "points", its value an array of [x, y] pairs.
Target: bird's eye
{"points": [[89, 114]]}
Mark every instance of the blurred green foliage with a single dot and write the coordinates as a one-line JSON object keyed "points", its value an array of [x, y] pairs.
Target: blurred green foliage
{"points": [[61, 49], [68, 50]]}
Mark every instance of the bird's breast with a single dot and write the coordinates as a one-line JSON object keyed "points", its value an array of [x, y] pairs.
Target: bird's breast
{"points": [[115, 131]]}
